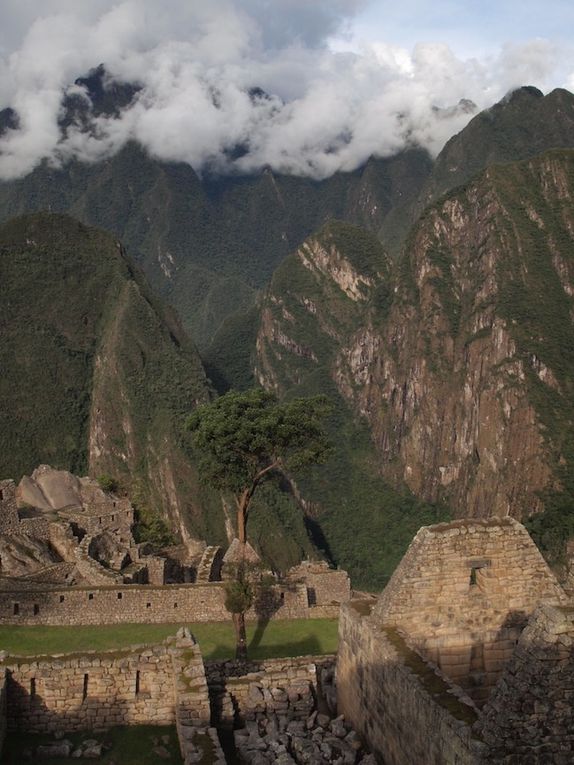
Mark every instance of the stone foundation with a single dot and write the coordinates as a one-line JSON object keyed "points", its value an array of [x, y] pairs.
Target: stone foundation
{"points": [[242, 691]]}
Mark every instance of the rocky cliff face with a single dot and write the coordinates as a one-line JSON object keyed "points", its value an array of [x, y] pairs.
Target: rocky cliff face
{"points": [[321, 323], [461, 361], [475, 353]]}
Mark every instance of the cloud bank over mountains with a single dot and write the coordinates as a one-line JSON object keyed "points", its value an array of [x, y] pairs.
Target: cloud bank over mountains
{"points": [[238, 86]]}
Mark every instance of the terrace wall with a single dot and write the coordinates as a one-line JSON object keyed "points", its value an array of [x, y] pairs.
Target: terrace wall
{"points": [[124, 604]]}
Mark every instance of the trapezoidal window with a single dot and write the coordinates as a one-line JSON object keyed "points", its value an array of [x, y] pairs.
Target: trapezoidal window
{"points": [[16, 609], [36, 609], [85, 689], [477, 574]]}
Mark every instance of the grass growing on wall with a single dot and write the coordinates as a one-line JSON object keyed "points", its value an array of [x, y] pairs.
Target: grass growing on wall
{"points": [[280, 638]]}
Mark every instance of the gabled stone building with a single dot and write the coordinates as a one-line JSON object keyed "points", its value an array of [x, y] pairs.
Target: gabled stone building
{"points": [[441, 669]]}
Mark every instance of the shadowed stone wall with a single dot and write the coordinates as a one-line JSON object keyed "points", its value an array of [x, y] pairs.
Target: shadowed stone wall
{"points": [[404, 710], [96, 691], [254, 689], [531, 709]]}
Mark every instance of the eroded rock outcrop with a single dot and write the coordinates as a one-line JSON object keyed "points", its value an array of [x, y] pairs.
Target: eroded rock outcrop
{"points": [[460, 361]]}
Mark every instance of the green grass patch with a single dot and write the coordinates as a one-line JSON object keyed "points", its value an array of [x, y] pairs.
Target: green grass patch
{"points": [[128, 746], [275, 639]]}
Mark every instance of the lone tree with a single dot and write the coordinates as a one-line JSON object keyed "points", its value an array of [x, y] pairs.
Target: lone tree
{"points": [[239, 595], [242, 438]]}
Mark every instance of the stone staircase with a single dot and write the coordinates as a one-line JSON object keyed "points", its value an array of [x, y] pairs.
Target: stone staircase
{"points": [[209, 566], [90, 569]]}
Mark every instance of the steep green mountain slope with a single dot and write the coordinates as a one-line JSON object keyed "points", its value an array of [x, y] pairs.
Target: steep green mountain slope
{"points": [[318, 301], [98, 377], [473, 365], [207, 245], [522, 125], [95, 375], [469, 388], [458, 363]]}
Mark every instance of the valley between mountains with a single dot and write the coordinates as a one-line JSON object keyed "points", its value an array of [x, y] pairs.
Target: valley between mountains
{"points": [[431, 300]]}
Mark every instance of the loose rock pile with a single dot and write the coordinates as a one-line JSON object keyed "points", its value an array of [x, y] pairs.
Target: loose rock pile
{"points": [[90, 749], [318, 739]]}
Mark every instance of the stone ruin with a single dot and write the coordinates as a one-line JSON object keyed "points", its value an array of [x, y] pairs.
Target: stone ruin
{"points": [[467, 655], [57, 529], [260, 712], [68, 556]]}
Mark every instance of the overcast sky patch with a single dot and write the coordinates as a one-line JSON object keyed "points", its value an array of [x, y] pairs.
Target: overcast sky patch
{"points": [[345, 79]]}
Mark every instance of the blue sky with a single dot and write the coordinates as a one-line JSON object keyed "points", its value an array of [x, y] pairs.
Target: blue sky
{"points": [[469, 28]]}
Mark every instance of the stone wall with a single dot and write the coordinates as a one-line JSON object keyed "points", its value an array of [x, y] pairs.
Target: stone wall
{"points": [[325, 586], [37, 527], [117, 514], [463, 593], [136, 603], [95, 691], [529, 714], [9, 521], [408, 714], [251, 690], [3, 709]]}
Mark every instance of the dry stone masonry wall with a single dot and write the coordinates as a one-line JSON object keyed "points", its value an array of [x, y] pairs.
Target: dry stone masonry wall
{"points": [[531, 709], [403, 709], [463, 594], [126, 604], [98, 691], [451, 665], [9, 520], [243, 691]]}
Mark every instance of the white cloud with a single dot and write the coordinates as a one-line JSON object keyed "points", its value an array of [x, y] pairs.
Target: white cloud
{"points": [[197, 62]]}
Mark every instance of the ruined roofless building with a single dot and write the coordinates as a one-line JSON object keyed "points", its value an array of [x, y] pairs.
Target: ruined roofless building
{"points": [[427, 675]]}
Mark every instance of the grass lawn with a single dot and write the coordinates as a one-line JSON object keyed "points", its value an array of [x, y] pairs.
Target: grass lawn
{"points": [[129, 746], [278, 638]]}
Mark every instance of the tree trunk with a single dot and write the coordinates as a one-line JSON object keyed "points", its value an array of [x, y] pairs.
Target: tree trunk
{"points": [[242, 520], [240, 636]]}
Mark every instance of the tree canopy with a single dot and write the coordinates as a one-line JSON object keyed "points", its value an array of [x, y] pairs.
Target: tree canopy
{"points": [[242, 437]]}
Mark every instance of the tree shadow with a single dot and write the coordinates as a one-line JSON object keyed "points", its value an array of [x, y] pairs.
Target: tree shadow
{"points": [[318, 538], [268, 600]]}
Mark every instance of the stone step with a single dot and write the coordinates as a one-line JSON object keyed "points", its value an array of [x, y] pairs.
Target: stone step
{"points": [[205, 569]]}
